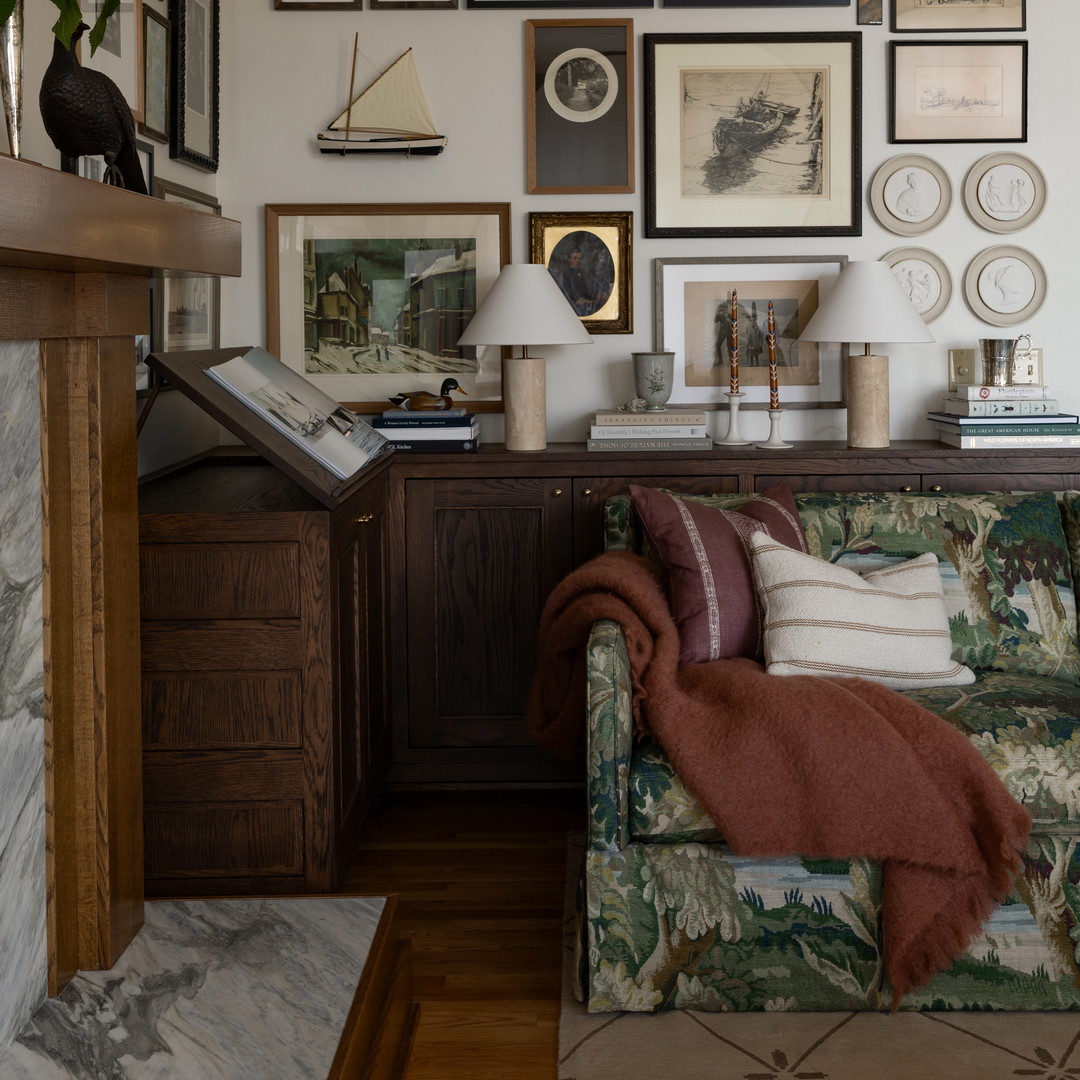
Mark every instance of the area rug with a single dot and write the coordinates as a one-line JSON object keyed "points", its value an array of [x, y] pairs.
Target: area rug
{"points": [[805, 1046]]}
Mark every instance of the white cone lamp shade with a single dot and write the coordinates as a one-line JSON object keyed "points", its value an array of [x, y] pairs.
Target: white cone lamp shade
{"points": [[525, 307], [867, 304]]}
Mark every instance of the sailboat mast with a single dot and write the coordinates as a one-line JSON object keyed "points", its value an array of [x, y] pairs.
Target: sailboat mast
{"points": [[352, 83]]}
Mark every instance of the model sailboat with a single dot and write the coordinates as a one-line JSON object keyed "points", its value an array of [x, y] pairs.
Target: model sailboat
{"points": [[390, 116]]}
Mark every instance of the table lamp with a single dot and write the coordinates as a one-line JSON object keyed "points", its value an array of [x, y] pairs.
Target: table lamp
{"points": [[525, 307], [867, 304]]}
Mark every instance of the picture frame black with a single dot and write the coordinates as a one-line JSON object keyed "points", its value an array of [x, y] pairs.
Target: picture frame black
{"points": [[603, 242], [187, 309], [579, 106], [796, 96], [925, 17], [559, 3], [156, 75], [758, 3], [958, 91], [195, 105], [317, 5]]}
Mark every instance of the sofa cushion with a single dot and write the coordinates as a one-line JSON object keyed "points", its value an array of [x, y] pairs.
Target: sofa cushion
{"points": [[888, 625], [1024, 725], [705, 555], [1004, 563]]}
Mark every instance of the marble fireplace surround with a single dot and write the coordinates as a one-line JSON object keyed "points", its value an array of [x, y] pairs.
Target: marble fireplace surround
{"points": [[76, 259]]}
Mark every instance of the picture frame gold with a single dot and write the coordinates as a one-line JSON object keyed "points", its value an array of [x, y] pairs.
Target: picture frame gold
{"points": [[602, 242], [387, 255]]}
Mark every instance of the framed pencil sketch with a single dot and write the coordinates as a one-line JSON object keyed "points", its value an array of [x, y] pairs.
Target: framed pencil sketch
{"points": [[579, 108], [693, 320], [1005, 285], [943, 16], [120, 53], [187, 308], [589, 256], [369, 300], [924, 277], [753, 135], [156, 75], [910, 194], [193, 137], [1004, 192], [964, 91]]}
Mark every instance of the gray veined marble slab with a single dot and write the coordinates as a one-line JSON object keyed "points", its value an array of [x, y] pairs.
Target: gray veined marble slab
{"points": [[209, 990]]}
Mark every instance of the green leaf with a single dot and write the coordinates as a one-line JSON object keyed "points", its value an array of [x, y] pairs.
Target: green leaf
{"points": [[6, 8], [97, 34], [70, 17]]}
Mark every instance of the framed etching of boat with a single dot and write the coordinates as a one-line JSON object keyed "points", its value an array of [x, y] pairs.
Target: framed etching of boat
{"points": [[369, 300], [753, 134]]}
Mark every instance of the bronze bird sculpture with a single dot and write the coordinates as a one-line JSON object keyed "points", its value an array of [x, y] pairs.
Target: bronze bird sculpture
{"points": [[85, 113]]}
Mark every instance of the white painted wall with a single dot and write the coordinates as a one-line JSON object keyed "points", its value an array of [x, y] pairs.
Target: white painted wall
{"points": [[285, 74]]}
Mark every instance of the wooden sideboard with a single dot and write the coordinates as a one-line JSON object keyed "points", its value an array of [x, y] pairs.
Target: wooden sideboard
{"points": [[488, 535]]}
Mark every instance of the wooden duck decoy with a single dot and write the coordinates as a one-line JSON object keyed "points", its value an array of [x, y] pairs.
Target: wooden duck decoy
{"points": [[425, 401]]}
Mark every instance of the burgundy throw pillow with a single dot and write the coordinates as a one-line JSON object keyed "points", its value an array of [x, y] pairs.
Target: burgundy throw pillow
{"points": [[705, 553]]}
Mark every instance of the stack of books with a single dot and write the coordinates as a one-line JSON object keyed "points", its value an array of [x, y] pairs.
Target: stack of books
{"points": [[674, 429], [998, 417], [447, 431]]}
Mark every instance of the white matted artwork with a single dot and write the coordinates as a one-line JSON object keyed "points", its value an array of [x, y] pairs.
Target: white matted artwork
{"points": [[693, 320], [581, 85], [925, 279], [120, 53], [1004, 192], [910, 194], [1005, 285]]}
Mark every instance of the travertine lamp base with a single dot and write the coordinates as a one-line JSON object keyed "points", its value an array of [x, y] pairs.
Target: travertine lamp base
{"points": [[867, 401], [524, 387]]}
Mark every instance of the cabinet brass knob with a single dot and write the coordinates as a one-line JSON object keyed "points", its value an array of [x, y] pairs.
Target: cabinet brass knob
{"points": [[557, 492], [906, 487], [586, 491], [363, 519], [936, 487]]}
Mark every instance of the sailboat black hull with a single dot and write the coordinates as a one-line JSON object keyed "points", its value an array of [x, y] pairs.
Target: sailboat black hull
{"points": [[409, 147]]}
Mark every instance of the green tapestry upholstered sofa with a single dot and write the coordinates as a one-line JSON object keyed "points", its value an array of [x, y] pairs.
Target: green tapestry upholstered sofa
{"points": [[671, 919]]}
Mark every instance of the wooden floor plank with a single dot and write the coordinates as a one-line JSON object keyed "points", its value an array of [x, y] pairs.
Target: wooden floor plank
{"points": [[480, 880]]}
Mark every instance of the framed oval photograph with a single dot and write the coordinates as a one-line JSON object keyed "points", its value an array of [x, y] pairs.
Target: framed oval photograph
{"points": [[1004, 192], [1005, 285], [910, 194], [924, 277]]}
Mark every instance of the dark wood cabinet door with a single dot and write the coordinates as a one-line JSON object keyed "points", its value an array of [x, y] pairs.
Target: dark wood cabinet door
{"points": [[482, 556]]}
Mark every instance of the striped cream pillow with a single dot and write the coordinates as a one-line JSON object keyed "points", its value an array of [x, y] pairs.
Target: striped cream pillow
{"points": [[888, 625]]}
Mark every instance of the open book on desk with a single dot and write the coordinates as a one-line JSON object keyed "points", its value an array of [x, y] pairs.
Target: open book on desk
{"points": [[334, 436]]}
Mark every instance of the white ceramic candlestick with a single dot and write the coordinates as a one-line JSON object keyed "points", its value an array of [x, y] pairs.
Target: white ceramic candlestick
{"points": [[733, 438], [774, 442]]}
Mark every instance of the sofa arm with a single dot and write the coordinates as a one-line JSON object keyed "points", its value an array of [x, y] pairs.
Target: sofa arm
{"points": [[610, 737]]}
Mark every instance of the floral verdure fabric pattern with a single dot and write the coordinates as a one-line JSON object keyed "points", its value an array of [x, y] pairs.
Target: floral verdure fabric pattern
{"points": [[1004, 560]]}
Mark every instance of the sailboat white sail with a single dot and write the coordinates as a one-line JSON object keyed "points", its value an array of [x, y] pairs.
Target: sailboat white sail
{"points": [[390, 115]]}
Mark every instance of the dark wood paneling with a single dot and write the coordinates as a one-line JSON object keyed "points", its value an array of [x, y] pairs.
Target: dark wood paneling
{"points": [[166, 647], [842, 482], [1008, 481], [208, 840], [224, 709], [237, 581]]}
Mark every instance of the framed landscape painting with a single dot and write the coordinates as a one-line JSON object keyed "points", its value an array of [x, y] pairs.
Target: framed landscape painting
{"points": [[753, 134], [693, 320], [369, 300]]}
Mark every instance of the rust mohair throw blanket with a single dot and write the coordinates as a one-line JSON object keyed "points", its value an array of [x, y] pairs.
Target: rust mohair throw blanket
{"points": [[799, 764]]}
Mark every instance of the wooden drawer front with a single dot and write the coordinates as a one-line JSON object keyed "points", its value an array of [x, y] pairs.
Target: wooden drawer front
{"points": [[219, 581], [850, 482], [210, 840], [175, 648], [221, 710], [1002, 481]]}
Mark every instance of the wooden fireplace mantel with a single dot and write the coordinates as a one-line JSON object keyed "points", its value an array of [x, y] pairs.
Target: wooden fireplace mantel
{"points": [[75, 264]]}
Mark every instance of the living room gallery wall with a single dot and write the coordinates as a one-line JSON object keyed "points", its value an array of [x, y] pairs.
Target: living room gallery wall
{"points": [[285, 75]]}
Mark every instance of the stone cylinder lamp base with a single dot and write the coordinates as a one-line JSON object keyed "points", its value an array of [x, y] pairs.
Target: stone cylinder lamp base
{"points": [[867, 401], [524, 387]]}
